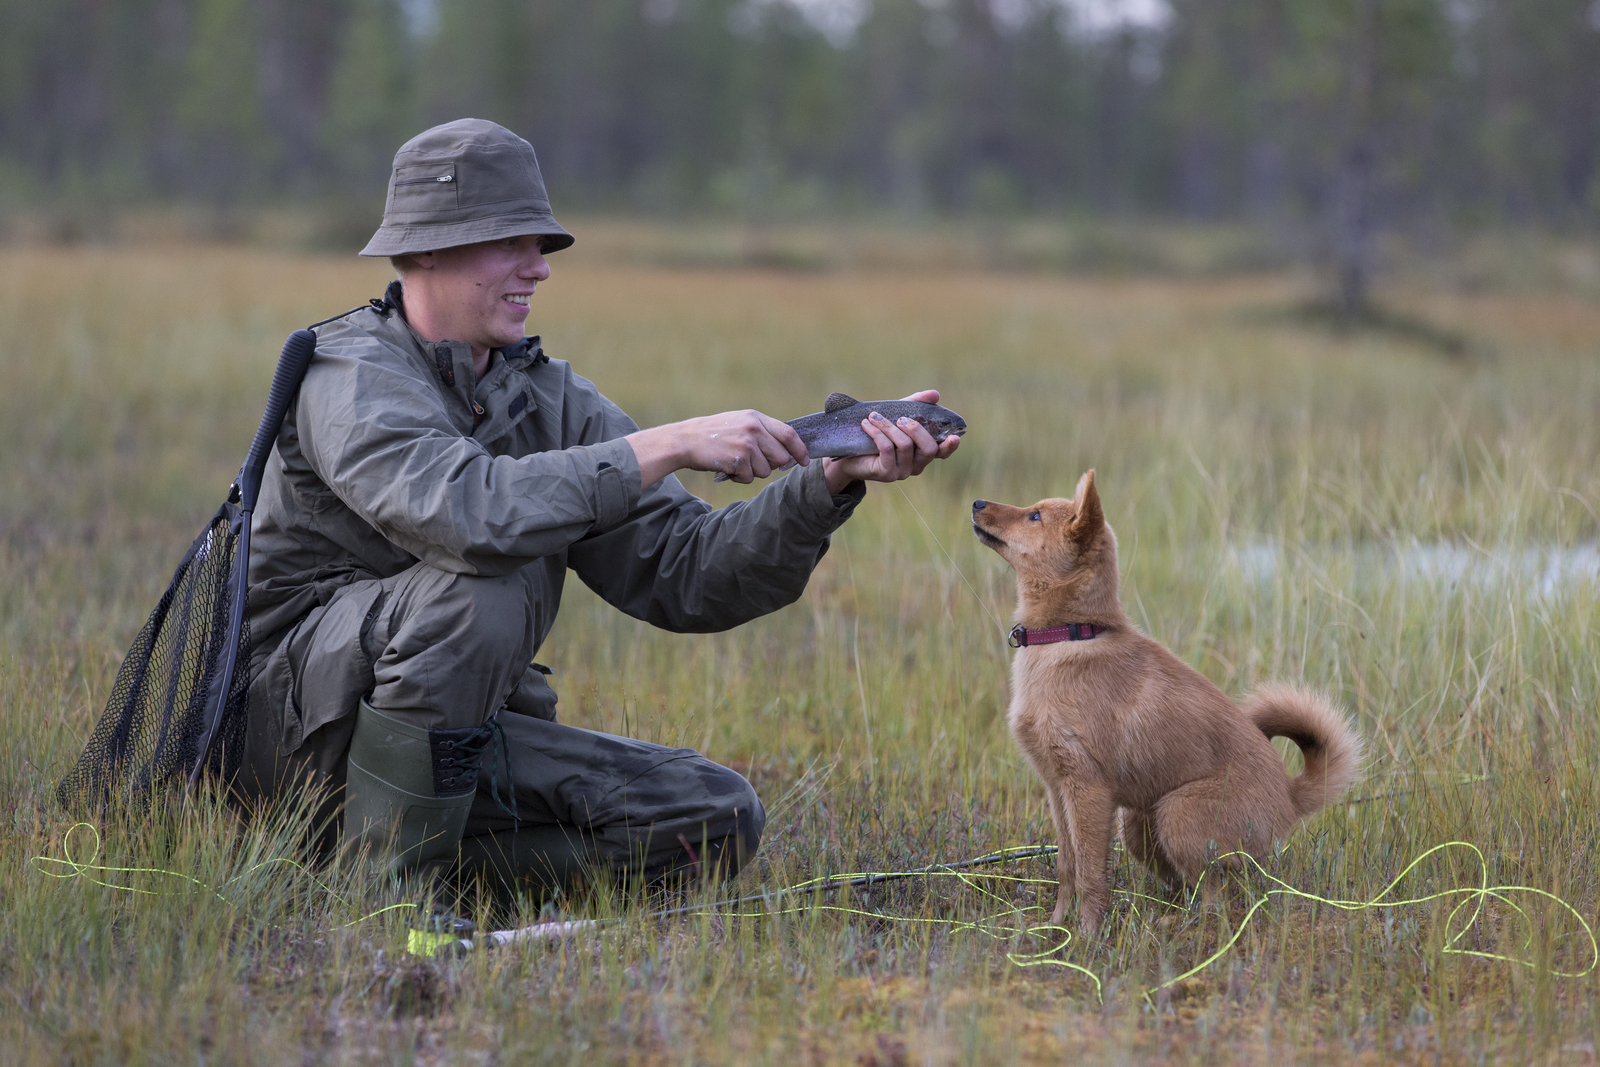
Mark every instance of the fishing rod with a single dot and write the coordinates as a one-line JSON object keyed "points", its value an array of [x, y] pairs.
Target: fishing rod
{"points": [[443, 932]]}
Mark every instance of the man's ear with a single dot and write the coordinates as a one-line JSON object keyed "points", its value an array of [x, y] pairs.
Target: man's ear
{"points": [[1089, 517]]}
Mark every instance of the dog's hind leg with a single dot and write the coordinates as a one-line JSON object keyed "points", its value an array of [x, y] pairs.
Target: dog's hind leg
{"points": [[1212, 817], [1139, 837], [1191, 826]]}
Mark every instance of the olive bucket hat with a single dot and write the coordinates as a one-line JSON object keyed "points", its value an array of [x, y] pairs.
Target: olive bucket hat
{"points": [[461, 183]]}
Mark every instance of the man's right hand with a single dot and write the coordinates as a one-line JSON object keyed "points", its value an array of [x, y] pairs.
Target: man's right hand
{"points": [[744, 445]]}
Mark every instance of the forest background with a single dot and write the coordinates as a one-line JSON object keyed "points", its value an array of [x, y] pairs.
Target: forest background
{"points": [[1320, 124]]}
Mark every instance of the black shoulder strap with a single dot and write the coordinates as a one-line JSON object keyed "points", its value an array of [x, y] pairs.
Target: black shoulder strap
{"points": [[379, 304], [382, 305]]}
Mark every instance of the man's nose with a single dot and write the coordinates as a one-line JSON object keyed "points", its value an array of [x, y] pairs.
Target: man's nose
{"points": [[536, 267]]}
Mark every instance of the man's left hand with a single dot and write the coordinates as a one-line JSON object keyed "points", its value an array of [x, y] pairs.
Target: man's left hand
{"points": [[904, 450]]}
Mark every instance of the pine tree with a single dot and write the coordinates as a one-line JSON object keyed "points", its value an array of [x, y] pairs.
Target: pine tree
{"points": [[370, 109], [219, 112]]}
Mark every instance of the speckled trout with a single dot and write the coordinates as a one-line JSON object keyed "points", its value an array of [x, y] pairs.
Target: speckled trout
{"points": [[836, 431]]}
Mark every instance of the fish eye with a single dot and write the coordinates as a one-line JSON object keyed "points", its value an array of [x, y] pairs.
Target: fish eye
{"points": [[1033, 516]]}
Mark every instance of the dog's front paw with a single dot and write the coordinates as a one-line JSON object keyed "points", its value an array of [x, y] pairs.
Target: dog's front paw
{"points": [[1091, 917]]}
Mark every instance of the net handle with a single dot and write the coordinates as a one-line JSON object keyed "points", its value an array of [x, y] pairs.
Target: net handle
{"points": [[292, 363]]}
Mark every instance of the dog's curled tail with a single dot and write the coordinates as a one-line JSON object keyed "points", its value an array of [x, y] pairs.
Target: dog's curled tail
{"points": [[1332, 749]]}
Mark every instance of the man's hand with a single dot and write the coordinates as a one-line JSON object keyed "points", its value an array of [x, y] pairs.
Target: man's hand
{"points": [[904, 450], [744, 445]]}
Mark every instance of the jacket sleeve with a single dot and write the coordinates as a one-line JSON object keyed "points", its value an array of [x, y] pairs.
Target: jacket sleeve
{"points": [[378, 434], [680, 565]]}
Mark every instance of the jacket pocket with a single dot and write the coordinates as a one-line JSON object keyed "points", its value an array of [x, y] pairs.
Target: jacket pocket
{"points": [[274, 720], [533, 695]]}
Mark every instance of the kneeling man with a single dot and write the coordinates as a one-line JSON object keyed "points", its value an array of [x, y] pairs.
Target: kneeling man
{"points": [[433, 483]]}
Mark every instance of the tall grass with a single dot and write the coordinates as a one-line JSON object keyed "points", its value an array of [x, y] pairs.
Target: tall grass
{"points": [[1278, 495]]}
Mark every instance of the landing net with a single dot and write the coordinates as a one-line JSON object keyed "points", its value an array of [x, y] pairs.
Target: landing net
{"points": [[149, 734]]}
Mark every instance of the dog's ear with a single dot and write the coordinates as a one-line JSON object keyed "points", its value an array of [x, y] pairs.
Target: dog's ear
{"points": [[1090, 517]]}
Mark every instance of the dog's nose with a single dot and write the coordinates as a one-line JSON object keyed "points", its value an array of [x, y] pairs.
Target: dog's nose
{"points": [[979, 505]]}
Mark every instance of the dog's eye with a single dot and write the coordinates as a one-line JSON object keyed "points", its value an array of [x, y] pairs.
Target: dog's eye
{"points": [[1033, 516]]}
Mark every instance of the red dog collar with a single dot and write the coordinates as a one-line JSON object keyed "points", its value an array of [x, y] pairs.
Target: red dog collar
{"points": [[1021, 637]]}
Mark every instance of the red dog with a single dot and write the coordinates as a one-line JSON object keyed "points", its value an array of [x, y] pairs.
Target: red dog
{"points": [[1112, 720]]}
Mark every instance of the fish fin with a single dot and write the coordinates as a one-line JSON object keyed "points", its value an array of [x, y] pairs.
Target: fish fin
{"points": [[838, 402], [720, 478]]}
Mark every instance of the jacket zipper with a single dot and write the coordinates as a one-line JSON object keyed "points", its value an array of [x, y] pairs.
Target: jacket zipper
{"points": [[419, 181]]}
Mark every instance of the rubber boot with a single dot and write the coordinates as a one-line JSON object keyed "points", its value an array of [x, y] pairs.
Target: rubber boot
{"points": [[408, 791]]}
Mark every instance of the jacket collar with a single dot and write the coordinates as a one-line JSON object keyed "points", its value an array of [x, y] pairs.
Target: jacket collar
{"points": [[494, 404], [526, 352]]}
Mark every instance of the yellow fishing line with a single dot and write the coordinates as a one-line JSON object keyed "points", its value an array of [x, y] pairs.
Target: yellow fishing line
{"points": [[1474, 896], [990, 926], [88, 869], [995, 926]]}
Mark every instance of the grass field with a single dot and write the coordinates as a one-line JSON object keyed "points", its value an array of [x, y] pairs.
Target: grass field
{"points": [[1412, 532]]}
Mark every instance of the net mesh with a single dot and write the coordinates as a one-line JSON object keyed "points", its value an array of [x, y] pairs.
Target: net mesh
{"points": [[150, 732]]}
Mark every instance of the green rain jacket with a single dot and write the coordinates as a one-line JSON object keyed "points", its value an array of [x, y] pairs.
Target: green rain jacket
{"points": [[393, 454]]}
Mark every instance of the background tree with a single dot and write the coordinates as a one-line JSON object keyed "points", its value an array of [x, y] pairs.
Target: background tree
{"points": [[218, 111], [371, 102], [1349, 115]]}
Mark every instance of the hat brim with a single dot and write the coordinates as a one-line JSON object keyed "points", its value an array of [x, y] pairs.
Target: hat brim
{"points": [[403, 239]]}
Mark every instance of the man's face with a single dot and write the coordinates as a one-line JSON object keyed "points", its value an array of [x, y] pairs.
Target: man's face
{"points": [[483, 290]]}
